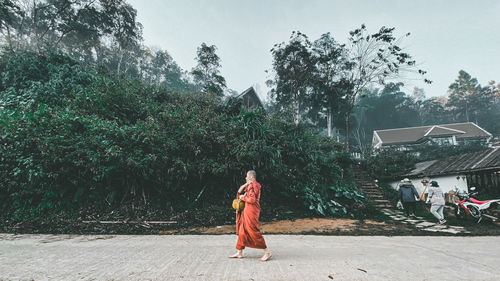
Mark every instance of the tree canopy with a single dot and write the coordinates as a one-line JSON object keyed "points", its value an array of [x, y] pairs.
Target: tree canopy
{"points": [[207, 71]]}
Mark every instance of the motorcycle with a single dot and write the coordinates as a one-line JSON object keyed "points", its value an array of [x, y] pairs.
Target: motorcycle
{"points": [[465, 205]]}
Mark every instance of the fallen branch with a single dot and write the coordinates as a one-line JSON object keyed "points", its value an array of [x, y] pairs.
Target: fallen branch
{"points": [[131, 222]]}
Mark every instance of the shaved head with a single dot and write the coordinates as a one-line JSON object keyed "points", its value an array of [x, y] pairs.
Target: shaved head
{"points": [[252, 173]]}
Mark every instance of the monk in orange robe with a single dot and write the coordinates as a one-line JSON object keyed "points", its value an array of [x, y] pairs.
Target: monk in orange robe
{"points": [[247, 220]]}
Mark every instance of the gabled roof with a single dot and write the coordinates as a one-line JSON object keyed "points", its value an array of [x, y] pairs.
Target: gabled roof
{"points": [[471, 130], [488, 159], [402, 135], [417, 134], [442, 131], [250, 93]]}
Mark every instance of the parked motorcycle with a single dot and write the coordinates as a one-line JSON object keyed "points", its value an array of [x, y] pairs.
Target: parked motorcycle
{"points": [[465, 205]]}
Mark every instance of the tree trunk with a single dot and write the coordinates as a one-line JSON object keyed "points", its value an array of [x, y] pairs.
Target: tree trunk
{"points": [[467, 110], [347, 124], [120, 60], [329, 121], [297, 112]]}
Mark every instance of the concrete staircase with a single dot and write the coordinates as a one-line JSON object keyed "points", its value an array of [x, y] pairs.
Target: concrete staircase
{"points": [[370, 188]]}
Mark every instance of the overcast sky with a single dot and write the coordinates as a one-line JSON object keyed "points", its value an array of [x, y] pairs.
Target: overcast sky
{"points": [[446, 36]]}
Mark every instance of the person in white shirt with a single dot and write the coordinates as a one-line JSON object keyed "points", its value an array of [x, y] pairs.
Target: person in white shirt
{"points": [[436, 198]]}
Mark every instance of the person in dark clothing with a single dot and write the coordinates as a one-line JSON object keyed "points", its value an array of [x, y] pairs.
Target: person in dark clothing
{"points": [[407, 194]]}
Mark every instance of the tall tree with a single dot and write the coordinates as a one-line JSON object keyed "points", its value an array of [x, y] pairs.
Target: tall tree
{"points": [[10, 14], [103, 31], [157, 66], [468, 98], [293, 67], [418, 98], [207, 72], [375, 58], [50, 23], [433, 111], [119, 19], [98, 32], [330, 69]]}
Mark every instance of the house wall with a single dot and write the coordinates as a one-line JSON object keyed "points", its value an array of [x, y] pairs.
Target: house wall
{"points": [[444, 140], [250, 101], [447, 183]]}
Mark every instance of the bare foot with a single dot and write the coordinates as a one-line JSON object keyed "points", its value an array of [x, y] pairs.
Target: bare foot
{"points": [[236, 256], [266, 257]]}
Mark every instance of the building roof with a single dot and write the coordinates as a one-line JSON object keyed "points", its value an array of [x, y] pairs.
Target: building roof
{"points": [[471, 130], [250, 97], [495, 143], [412, 135], [488, 159]]}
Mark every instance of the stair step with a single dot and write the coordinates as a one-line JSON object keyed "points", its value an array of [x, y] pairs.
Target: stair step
{"points": [[372, 192], [369, 187]]}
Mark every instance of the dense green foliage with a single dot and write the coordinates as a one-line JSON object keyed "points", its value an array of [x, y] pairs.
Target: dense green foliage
{"points": [[388, 165], [102, 33], [72, 137]]}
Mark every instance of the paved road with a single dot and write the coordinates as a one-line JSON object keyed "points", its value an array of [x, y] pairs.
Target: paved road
{"points": [[296, 257]]}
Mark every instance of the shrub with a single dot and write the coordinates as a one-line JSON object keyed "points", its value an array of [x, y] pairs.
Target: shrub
{"points": [[72, 138], [389, 164]]}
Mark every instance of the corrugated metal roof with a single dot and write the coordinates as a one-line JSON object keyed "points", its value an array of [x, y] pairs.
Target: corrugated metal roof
{"points": [[421, 166], [488, 159]]}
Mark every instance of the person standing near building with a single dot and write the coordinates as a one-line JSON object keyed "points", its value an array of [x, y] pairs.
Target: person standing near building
{"points": [[407, 194], [436, 198]]}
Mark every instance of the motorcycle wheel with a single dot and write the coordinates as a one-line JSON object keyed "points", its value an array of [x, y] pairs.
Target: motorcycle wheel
{"points": [[474, 211], [460, 214]]}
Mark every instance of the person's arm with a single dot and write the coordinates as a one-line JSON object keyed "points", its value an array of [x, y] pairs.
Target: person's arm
{"points": [[249, 197], [414, 190], [430, 194], [241, 190], [400, 194]]}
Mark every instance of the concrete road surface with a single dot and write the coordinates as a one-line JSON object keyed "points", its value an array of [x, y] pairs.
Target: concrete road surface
{"points": [[297, 257]]}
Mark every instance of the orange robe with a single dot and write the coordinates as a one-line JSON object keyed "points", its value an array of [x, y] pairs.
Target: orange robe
{"points": [[247, 220]]}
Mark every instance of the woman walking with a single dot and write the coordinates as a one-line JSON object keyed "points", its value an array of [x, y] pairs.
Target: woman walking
{"points": [[436, 198], [247, 220]]}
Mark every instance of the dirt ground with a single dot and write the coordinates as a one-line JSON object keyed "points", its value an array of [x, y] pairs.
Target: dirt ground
{"points": [[307, 226]]}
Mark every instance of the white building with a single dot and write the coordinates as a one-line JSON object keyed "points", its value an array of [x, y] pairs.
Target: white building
{"points": [[480, 169]]}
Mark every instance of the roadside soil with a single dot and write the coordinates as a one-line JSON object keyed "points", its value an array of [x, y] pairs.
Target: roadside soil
{"points": [[322, 226], [222, 222]]}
